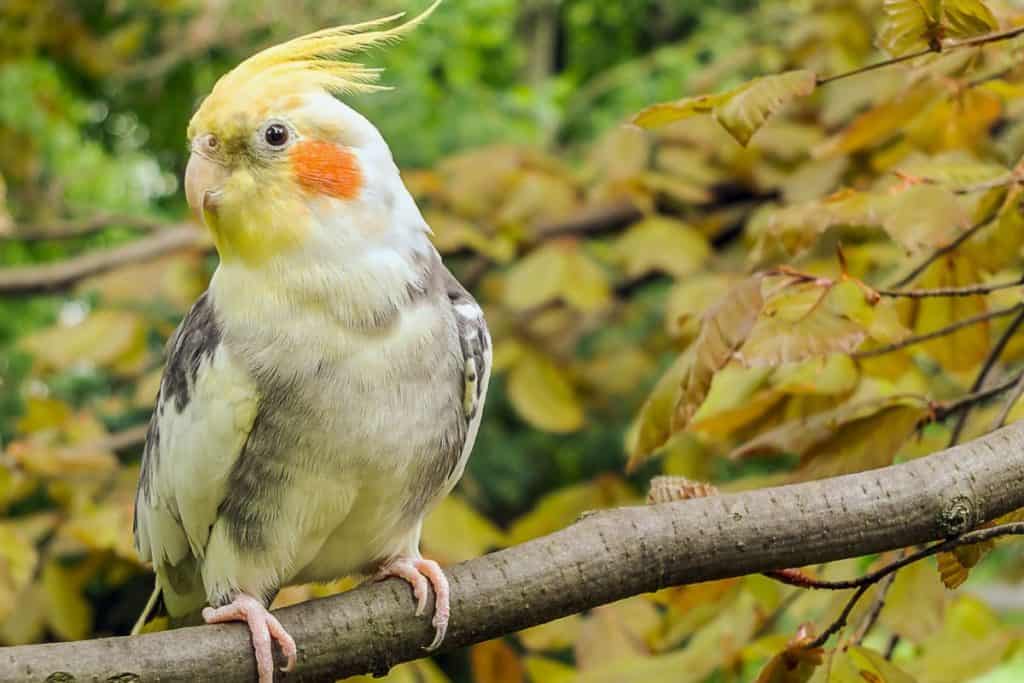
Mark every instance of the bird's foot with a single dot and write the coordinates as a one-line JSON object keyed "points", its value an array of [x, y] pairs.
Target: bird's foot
{"points": [[419, 572], [263, 626]]}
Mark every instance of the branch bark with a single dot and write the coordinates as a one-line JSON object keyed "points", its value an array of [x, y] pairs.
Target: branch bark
{"points": [[604, 557], [55, 276]]}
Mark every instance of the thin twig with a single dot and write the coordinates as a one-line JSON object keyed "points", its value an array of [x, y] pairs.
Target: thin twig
{"points": [[961, 405], [876, 65], [941, 332], [970, 290], [840, 621], [942, 251], [1011, 400], [864, 583], [937, 47], [877, 605], [986, 368]]}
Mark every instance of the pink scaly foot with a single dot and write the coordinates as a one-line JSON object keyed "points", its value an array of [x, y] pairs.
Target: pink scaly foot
{"points": [[419, 572], [263, 626]]}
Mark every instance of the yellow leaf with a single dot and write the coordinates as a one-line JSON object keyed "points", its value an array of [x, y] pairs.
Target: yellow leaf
{"points": [[542, 395], [802, 322], [68, 613], [43, 413], [665, 113], [796, 663], [662, 245], [741, 111], [744, 110], [841, 431], [967, 18], [554, 635], [615, 632], [564, 506], [653, 424], [557, 271], [829, 375], [689, 298], [419, 671], [860, 665], [925, 217], [909, 25], [879, 124], [724, 329], [736, 397], [104, 339], [971, 641], [454, 532], [18, 559], [544, 670], [963, 350], [495, 662], [916, 603]]}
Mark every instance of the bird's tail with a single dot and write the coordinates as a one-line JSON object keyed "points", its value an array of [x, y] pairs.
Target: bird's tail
{"points": [[147, 611]]}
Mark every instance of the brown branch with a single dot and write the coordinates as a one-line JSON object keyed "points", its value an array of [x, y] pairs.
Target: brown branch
{"points": [[986, 368], [942, 251], [82, 226], [941, 332], [937, 46], [970, 290], [1009, 403], [604, 557], [55, 276], [961, 405]]}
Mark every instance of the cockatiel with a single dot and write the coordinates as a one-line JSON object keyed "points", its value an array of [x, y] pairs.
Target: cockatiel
{"points": [[326, 390]]}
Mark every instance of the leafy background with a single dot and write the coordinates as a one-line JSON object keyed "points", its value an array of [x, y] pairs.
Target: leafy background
{"points": [[612, 240]]}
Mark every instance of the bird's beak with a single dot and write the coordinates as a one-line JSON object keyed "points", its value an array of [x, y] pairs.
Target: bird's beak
{"points": [[204, 178]]}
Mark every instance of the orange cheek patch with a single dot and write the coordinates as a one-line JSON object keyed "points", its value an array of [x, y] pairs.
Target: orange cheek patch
{"points": [[325, 168]]}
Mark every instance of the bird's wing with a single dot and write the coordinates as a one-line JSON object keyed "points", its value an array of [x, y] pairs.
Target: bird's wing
{"points": [[475, 344], [205, 410]]}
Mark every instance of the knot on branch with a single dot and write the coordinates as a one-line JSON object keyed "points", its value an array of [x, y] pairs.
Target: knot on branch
{"points": [[958, 516]]}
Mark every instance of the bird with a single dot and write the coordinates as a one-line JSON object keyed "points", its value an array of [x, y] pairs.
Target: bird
{"points": [[325, 391]]}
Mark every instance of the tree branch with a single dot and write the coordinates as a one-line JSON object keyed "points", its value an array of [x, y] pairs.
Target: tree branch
{"points": [[54, 276], [82, 226], [606, 556]]}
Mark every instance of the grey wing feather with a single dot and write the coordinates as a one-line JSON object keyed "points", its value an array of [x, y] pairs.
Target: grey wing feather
{"points": [[203, 415], [475, 343]]}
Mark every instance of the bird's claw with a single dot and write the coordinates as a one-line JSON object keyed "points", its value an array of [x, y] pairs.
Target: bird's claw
{"points": [[263, 626], [418, 572]]}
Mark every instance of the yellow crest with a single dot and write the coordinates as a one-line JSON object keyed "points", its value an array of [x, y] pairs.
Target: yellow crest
{"points": [[316, 60]]}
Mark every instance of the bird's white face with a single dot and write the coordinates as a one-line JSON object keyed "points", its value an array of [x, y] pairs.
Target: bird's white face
{"points": [[300, 170]]}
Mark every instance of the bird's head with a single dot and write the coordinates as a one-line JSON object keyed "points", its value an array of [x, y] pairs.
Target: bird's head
{"points": [[279, 163]]}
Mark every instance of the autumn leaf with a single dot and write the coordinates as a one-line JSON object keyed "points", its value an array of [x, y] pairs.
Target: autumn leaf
{"points": [[662, 245], [925, 217], [665, 113], [909, 25], [747, 108], [724, 329], [741, 111], [455, 532], [796, 663], [494, 661], [542, 394], [557, 271]]}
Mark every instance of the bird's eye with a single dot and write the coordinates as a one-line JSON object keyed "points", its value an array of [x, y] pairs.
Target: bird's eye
{"points": [[276, 135]]}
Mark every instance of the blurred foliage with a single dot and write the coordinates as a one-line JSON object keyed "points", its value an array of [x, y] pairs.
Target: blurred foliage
{"points": [[669, 298]]}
